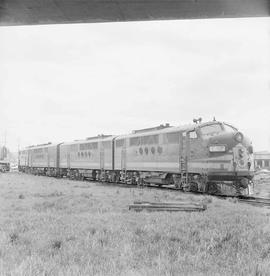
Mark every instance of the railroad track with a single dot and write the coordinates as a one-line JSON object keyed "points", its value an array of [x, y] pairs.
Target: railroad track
{"points": [[255, 201], [251, 200]]}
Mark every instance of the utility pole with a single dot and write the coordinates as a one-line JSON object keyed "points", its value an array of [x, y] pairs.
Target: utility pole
{"points": [[5, 138], [18, 141]]}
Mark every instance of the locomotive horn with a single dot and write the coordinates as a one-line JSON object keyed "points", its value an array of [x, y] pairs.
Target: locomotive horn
{"points": [[196, 121]]}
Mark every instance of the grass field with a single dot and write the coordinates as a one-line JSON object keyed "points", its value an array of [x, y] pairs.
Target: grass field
{"points": [[60, 227], [262, 185]]}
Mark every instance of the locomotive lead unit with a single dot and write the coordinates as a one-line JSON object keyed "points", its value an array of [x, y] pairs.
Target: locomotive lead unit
{"points": [[211, 157]]}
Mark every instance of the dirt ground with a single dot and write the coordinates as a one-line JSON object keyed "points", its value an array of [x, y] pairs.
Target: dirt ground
{"points": [[54, 226]]}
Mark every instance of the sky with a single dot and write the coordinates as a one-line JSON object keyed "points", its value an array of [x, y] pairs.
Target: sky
{"points": [[64, 82]]}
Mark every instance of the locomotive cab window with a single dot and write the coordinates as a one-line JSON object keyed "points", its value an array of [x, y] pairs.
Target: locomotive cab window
{"points": [[210, 130], [229, 128]]}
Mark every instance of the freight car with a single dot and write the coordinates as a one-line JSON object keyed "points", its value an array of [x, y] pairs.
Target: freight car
{"points": [[211, 157]]}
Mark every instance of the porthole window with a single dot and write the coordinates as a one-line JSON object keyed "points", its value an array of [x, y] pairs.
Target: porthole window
{"points": [[146, 150], [159, 149], [153, 150]]}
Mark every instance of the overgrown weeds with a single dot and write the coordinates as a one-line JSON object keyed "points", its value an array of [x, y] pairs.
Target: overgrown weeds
{"points": [[56, 244], [14, 237], [68, 231]]}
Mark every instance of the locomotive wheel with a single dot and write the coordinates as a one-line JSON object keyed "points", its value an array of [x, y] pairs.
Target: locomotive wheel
{"points": [[194, 186], [244, 183]]}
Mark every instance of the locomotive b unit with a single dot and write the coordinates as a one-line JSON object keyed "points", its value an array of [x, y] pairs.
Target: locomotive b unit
{"points": [[211, 157]]}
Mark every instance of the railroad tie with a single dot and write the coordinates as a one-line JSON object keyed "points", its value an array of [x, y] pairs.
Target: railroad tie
{"points": [[167, 206]]}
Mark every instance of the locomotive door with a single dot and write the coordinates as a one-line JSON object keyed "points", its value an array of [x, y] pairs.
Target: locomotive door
{"points": [[124, 157], [48, 158], [184, 153], [196, 146], [31, 159], [192, 150], [102, 159], [28, 159], [68, 160]]}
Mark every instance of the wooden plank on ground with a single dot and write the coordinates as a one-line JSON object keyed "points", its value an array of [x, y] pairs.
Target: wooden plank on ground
{"points": [[167, 206]]}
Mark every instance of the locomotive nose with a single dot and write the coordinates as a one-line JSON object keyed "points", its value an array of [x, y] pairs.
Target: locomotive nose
{"points": [[230, 140]]}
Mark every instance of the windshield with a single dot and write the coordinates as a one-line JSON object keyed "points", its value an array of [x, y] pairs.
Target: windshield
{"points": [[229, 128], [211, 130]]}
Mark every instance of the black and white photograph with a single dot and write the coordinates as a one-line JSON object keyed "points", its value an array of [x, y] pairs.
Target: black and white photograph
{"points": [[134, 137]]}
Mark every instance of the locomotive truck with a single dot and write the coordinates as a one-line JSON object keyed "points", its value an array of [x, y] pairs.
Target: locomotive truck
{"points": [[211, 157]]}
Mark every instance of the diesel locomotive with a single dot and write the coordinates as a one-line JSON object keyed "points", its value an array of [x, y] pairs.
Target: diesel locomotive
{"points": [[211, 157]]}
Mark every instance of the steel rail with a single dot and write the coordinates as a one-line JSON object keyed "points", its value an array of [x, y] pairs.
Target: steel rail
{"points": [[254, 201]]}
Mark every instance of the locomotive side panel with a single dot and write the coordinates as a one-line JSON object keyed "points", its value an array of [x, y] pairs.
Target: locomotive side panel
{"points": [[43, 157], [120, 153], [106, 154], [197, 154], [153, 153], [39, 157], [139, 154], [170, 152], [52, 156], [29, 158], [63, 163], [159, 152], [23, 158], [87, 156]]}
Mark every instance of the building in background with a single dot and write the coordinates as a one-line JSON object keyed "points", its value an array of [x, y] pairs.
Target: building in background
{"points": [[4, 162], [262, 160], [3, 153]]}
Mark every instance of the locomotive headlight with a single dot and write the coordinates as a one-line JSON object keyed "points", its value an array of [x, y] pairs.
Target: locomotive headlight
{"points": [[217, 148], [241, 153], [238, 137]]}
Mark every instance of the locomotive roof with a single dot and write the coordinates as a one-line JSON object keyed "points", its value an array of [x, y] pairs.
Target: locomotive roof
{"points": [[41, 146], [90, 141], [187, 127], [181, 128]]}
